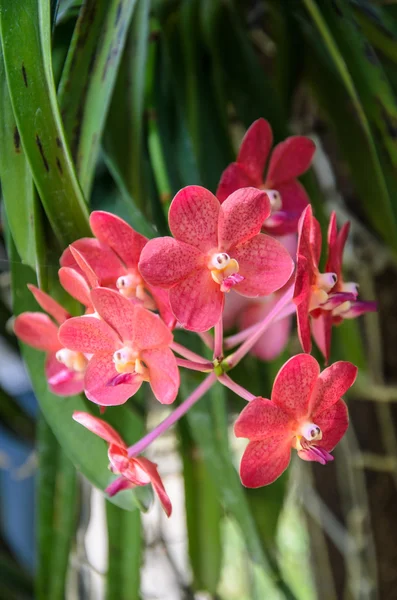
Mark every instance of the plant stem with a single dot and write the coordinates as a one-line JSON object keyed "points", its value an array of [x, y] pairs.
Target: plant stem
{"points": [[186, 353], [218, 339], [238, 338], [142, 444], [195, 366], [235, 358], [236, 388]]}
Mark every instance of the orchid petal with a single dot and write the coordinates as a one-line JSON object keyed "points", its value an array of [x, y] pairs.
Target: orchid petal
{"points": [[51, 306], [289, 159], [294, 385], [331, 385], [265, 264], [99, 427], [241, 217], [233, 178], [75, 284], [333, 423], [118, 235], [294, 200], [118, 485], [261, 419], [61, 380], [197, 301], [322, 333], [151, 470], [255, 148], [163, 374], [99, 372], [264, 461], [101, 259], [88, 335], [149, 330], [87, 271], [165, 261], [161, 298], [193, 217], [116, 310], [37, 330]]}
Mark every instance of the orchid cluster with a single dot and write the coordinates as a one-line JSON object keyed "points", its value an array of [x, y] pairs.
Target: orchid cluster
{"points": [[247, 257]]}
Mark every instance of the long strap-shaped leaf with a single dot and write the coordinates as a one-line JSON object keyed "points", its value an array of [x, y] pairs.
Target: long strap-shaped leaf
{"points": [[383, 217], [88, 80], [26, 42], [56, 515], [125, 553]]}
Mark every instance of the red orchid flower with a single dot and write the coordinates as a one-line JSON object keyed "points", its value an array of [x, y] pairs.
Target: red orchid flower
{"points": [[305, 412], [325, 298], [289, 159], [134, 471], [129, 345], [111, 260], [64, 368], [215, 249]]}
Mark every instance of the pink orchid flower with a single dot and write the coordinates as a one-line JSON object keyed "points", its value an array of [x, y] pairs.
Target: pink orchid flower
{"points": [[64, 368], [350, 308], [111, 260], [129, 345], [134, 471], [322, 299], [306, 412], [215, 249], [289, 159]]}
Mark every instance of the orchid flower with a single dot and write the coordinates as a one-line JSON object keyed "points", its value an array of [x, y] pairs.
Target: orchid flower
{"points": [[64, 368], [111, 260], [215, 249], [306, 412], [324, 297], [289, 159], [134, 471], [129, 345]]}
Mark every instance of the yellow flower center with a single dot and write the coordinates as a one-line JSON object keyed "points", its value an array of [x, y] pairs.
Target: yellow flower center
{"points": [[222, 266], [127, 360], [74, 361], [307, 432], [132, 286], [324, 284]]}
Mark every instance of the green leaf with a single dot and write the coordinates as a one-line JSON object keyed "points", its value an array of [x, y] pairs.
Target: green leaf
{"points": [[56, 519], [123, 136], [208, 423], [27, 57], [15, 583], [383, 218], [125, 554], [86, 451], [89, 77], [203, 515]]}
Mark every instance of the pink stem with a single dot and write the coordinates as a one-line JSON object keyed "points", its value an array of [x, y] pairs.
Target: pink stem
{"points": [[186, 353], [261, 327], [195, 366], [218, 339], [207, 339], [238, 338], [142, 444], [236, 388]]}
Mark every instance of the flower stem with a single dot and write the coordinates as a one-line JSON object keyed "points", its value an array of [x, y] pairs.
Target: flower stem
{"points": [[236, 388], [232, 360], [186, 353], [142, 444], [195, 366], [241, 336], [218, 339]]}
